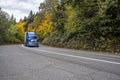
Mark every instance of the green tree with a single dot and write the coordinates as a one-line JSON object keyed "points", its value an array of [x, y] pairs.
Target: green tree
{"points": [[4, 25], [12, 35], [29, 20]]}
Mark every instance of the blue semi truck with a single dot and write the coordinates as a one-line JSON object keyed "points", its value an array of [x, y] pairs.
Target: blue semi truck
{"points": [[31, 39]]}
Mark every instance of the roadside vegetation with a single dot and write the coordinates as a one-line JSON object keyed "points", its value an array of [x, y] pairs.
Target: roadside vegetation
{"points": [[77, 24], [10, 31]]}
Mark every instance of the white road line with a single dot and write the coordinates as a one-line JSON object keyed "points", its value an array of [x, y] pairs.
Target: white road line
{"points": [[62, 54]]}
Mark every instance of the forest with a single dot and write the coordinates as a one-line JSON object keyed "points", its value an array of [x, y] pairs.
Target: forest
{"points": [[76, 24]]}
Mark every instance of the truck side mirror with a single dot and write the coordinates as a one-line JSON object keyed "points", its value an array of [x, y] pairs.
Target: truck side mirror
{"points": [[38, 39]]}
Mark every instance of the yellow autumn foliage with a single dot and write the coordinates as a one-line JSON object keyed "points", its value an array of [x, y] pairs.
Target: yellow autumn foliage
{"points": [[45, 27], [20, 29], [31, 27]]}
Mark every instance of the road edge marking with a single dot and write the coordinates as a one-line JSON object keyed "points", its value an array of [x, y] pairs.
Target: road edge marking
{"points": [[63, 54]]}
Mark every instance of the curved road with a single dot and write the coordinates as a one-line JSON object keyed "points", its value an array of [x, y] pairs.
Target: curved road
{"points": [[48, 63]]}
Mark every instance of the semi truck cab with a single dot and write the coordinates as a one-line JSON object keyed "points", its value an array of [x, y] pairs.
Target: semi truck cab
{"points": [[31, 39]]}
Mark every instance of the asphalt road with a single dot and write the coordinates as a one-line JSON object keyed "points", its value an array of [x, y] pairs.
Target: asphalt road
{"points": [[47, 63]]}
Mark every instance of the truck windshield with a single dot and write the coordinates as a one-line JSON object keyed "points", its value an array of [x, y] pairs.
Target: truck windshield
{"points": [[32, 37]]}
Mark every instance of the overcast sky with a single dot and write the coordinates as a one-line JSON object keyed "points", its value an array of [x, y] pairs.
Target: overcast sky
{"points": [[20, 8]]}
